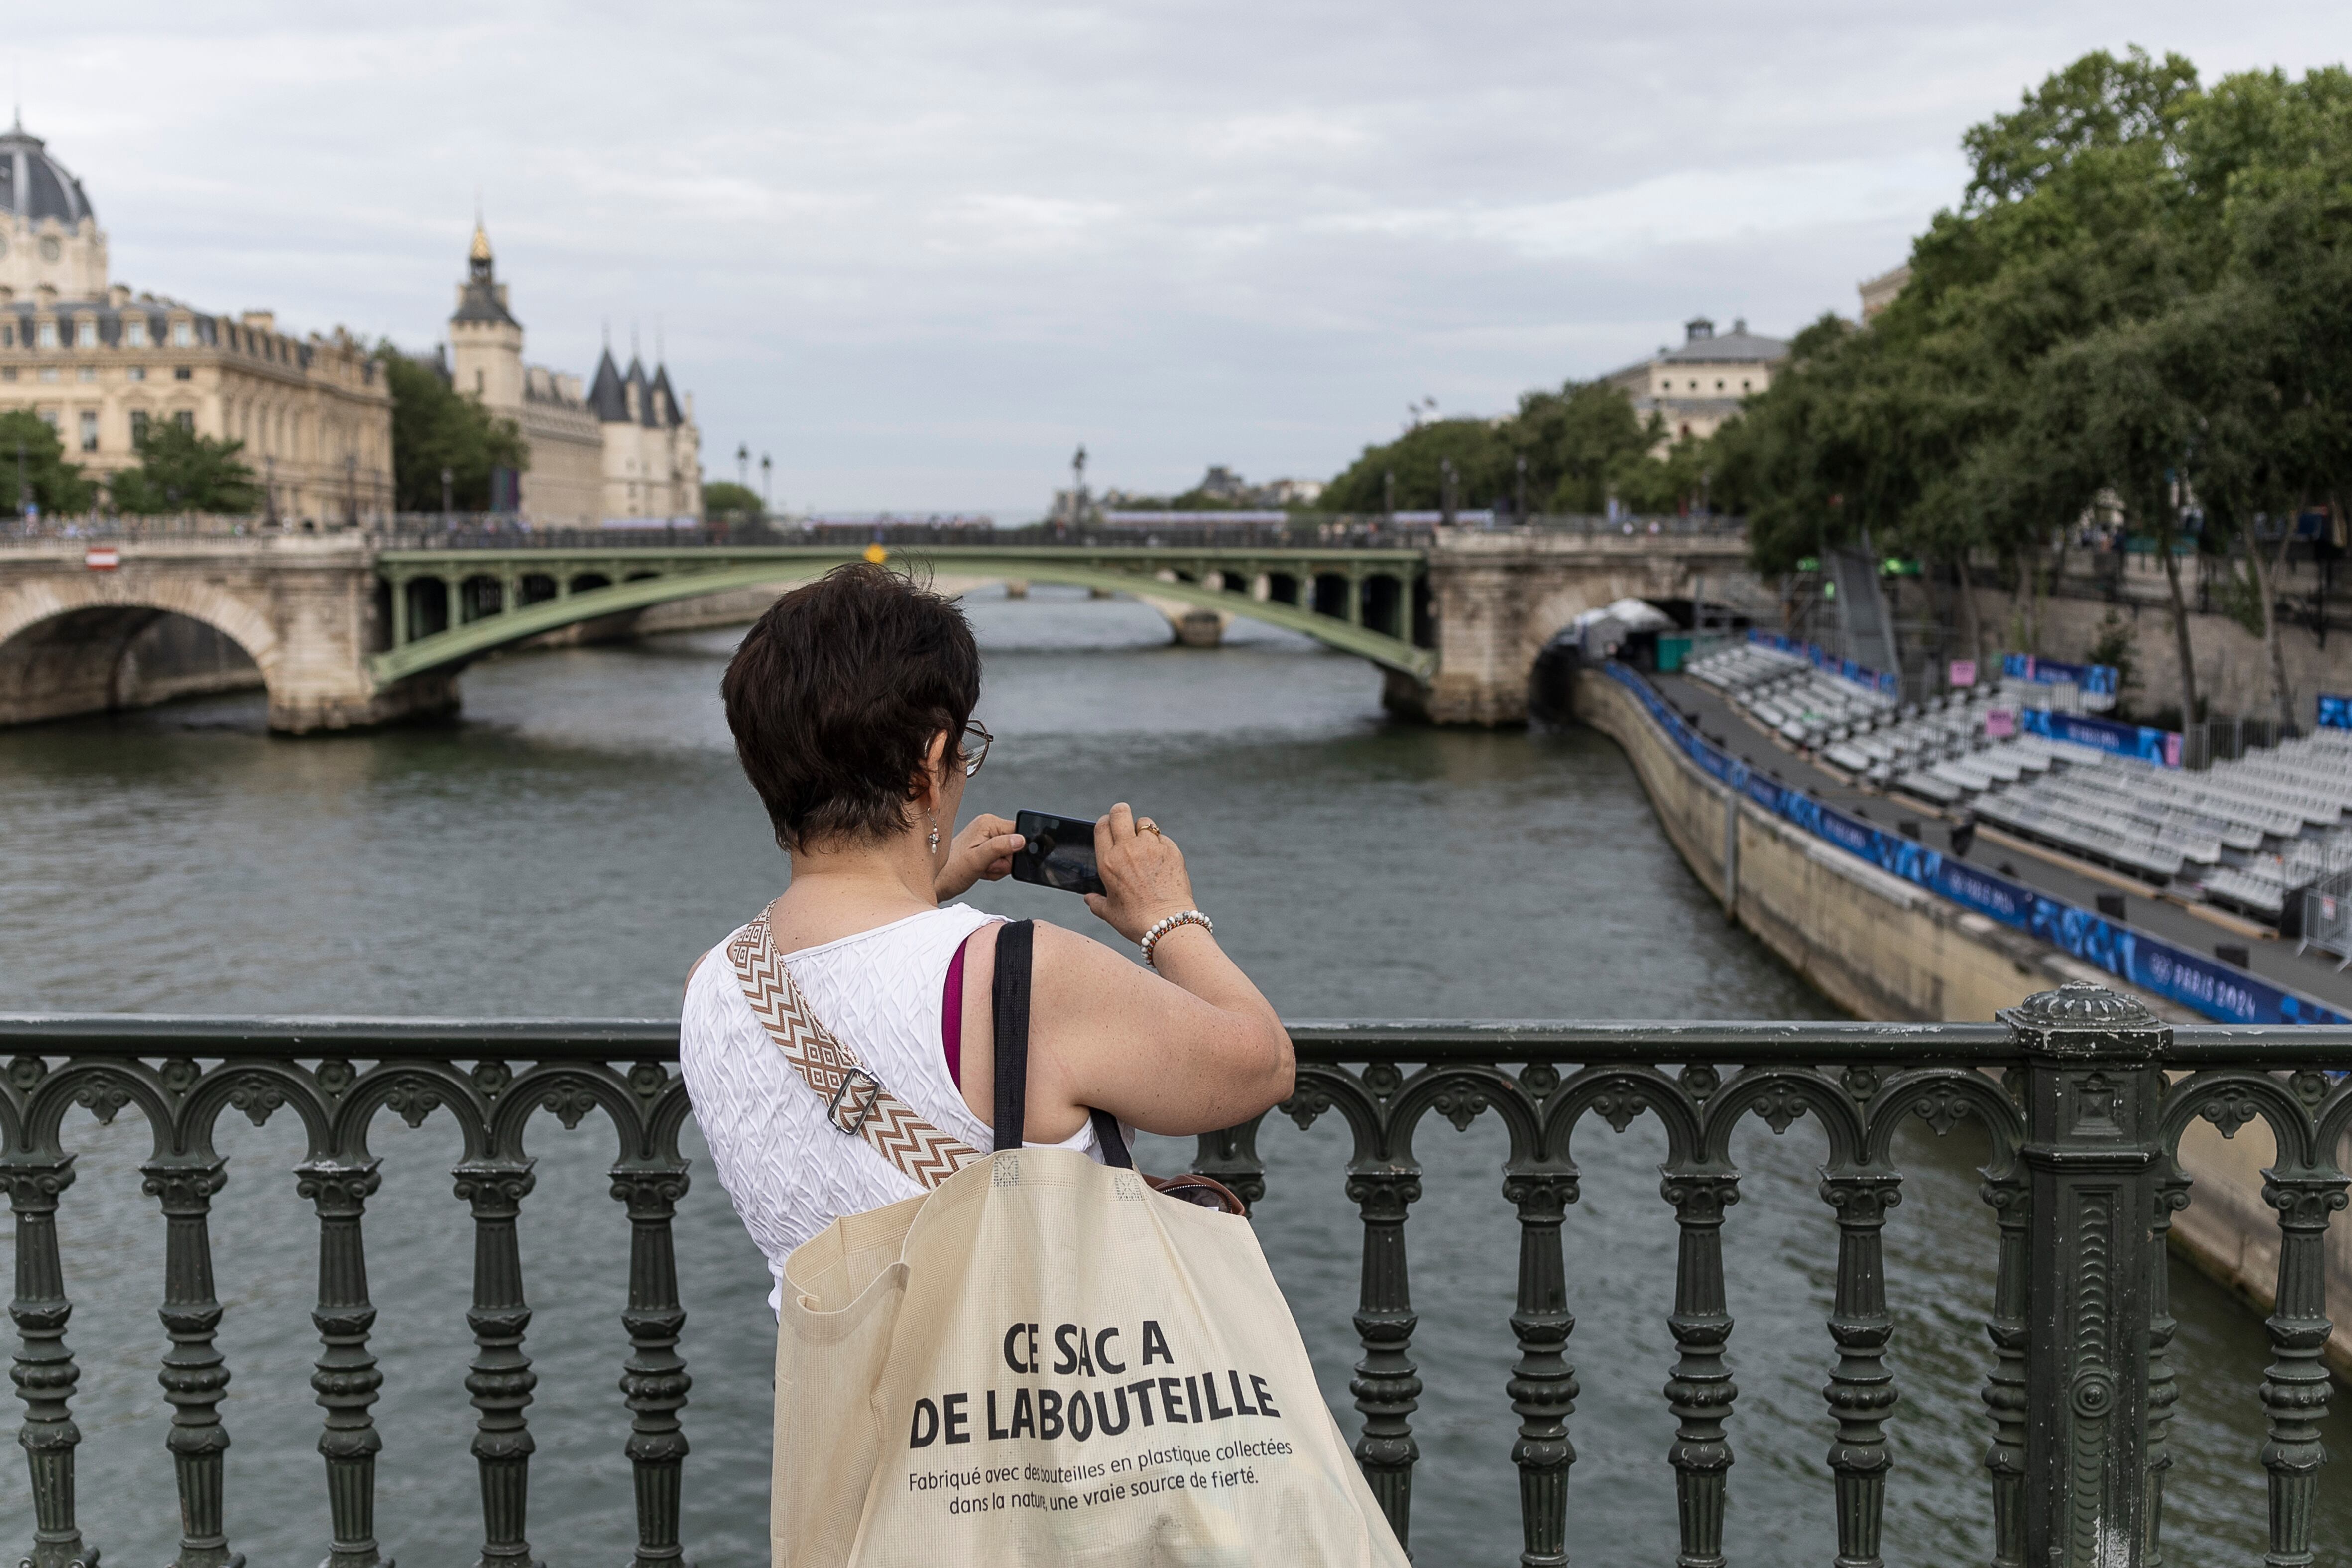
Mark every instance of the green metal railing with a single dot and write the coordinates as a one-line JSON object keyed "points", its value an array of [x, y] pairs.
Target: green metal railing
{"points": [[2084, 1097]]}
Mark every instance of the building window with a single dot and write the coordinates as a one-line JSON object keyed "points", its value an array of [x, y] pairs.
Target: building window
{"points": [[183, 335], [134, 332], [185, 419], [8, 336], [1743, 387], [50, 248], [85, 333], [48, 373], [89, 431], [86, 372], [138, 426], [49, 334], [49, 417], [1718, 386], [9, 373], [181, 372], [138, 373]]}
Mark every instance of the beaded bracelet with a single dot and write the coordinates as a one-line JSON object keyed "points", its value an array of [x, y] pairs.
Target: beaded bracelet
{"points": [[1181, 918]]}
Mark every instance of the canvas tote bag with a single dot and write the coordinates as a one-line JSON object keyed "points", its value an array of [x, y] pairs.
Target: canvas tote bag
{"points": [[1039, 1360]]}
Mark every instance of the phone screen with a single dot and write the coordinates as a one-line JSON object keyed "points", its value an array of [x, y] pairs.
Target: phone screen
{"points": [[1060, 852]]}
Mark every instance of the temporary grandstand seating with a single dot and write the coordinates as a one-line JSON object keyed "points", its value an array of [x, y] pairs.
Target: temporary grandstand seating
{"points": [[2244, 834]]}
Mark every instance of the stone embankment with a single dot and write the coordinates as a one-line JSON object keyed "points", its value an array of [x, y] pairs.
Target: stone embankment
{"points": [[1884, 949]]}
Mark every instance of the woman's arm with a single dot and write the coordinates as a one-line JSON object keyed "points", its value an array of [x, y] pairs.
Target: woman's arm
{"points": [[1189, 1049]]}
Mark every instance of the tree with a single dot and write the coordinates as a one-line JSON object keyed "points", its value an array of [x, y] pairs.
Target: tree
{"points": [[56, 485], [1478, 449], [180, 470], [435, 428], [725, 498]]}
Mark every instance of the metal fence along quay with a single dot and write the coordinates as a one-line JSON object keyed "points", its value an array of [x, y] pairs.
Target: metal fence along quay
{"points": [[2082, 1094]]}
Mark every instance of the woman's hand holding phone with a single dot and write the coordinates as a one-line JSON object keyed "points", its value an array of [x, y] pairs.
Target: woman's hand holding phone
{"points": [[982, 852], [1143, 871]]}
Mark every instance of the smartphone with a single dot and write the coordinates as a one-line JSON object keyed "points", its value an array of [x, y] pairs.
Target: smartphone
{"points": [[1060, 852]]}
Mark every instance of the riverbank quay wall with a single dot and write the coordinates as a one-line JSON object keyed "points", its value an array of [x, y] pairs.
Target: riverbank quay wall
{"points": [[1884, 948]]}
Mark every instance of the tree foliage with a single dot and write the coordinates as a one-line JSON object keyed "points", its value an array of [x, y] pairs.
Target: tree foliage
{"points": [[435, 428], [724, 498], [29, 449], [180, 470], [1580, 445], [2140, 301]]}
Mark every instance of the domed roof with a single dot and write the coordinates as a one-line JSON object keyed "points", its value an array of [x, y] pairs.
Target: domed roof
{"points": [[35, 185]]}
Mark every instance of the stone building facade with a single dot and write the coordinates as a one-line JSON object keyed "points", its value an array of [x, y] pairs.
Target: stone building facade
{"points": [[626, 447], [1698, 387], [100, 363]]}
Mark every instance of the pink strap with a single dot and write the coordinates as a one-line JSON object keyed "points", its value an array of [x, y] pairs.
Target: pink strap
{"points": [[952, 1015]]}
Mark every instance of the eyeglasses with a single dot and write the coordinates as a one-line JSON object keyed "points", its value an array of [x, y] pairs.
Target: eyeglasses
{"points": [[976, 742]]}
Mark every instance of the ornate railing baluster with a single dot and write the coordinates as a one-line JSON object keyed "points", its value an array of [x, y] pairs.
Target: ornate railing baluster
{"points": [[2163, 1388], [1543, 1384], [2295, 1385], [1231, 1157], [1387, 1384], [346, 1379], [195, 1375], [1861, 1391], [654, 1379], [1700, 1393], [500, 1380], [45, 1371]]}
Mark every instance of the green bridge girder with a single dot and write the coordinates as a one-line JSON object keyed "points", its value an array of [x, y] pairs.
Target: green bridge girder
{"points": [[675, 575]]}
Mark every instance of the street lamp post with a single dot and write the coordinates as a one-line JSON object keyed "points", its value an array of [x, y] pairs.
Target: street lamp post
{"points": [[1520, 504], [767, 488], [448, 480], [743, 464]]}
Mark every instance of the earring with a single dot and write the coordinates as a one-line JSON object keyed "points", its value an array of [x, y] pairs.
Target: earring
{"points": [[935, 835]]}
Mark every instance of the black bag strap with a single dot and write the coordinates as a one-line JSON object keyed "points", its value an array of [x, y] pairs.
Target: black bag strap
{"points": [[1016, 941]]}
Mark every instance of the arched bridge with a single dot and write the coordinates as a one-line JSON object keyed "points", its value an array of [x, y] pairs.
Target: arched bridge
{"points": [[449, 606], [346, 631]]}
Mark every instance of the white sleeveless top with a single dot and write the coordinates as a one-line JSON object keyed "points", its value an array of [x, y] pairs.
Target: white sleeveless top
{"points": [[787, 1170]]}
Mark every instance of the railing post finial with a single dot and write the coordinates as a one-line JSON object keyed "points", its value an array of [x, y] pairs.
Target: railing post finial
{"points": [[2092, 1087]]}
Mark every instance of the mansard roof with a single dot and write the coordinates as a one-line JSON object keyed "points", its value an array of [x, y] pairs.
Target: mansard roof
{"points": [[608, 395]]}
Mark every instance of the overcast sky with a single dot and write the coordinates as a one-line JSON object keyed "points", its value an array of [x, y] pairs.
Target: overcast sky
{"points": [[918, 251]]}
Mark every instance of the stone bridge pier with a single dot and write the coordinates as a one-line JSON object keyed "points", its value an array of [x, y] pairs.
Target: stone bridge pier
{"points": [[306, 611], [1497, 596]]}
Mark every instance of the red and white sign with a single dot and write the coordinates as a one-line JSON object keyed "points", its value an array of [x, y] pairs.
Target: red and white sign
{"points": [[101, 558], [2000, 724], [1963, 672]]}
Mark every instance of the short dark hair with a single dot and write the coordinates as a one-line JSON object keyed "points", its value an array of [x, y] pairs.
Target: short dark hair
{"points": [[834, 696]]}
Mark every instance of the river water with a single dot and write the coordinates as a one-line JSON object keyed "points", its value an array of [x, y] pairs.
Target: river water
{"points": [[572, 844]]}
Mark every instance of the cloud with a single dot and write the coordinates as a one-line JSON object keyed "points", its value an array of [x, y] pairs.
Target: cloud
{"points": [[918, 250]]}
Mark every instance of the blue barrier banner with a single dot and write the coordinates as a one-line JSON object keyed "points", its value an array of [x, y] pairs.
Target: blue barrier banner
{"points": [[2161, 747], [2218, 991], [2335, 712], [2099, 680]]}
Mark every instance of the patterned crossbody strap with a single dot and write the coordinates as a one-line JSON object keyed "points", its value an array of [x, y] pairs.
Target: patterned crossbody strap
{"points": [[856, 1101]]}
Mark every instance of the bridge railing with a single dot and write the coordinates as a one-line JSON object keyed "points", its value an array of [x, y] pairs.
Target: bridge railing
{"points": [[1303, 530], [2082, 1097]]}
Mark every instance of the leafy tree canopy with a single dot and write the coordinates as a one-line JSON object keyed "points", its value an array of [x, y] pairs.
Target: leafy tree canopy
{"points": [[29, 447], [727, 497], [435, 428], [180, 470], [1580, 445]]}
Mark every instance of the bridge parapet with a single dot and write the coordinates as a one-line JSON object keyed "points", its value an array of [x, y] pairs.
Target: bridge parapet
{"points": [[2080, 1097]]}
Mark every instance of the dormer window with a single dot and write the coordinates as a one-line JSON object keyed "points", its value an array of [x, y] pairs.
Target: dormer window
{"points": [[48, 330], [134, 332], [85, 333], [182, 333]]}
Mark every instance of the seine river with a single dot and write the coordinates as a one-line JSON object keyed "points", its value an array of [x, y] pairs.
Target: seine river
{"points": [[572, 846]]}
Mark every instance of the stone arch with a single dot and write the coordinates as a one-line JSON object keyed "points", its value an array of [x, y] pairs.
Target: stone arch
{"points": [[63, 640]]}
